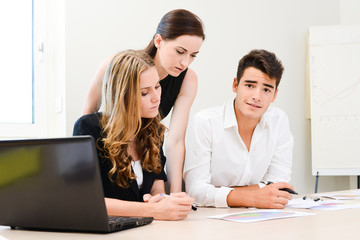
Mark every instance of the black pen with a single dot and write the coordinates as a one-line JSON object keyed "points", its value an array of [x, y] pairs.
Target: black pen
{"points": [[288, 190], [315, 199], [281, 189]]}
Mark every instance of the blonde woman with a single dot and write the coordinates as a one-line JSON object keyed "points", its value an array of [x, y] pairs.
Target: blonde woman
{"points": [[128, 136]]}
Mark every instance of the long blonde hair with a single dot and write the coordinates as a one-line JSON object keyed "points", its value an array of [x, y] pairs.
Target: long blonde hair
{"points": [[121, 119]]}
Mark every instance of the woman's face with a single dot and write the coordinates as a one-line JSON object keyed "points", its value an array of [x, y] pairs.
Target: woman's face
{"points": [[150, 93], [176, 55]]}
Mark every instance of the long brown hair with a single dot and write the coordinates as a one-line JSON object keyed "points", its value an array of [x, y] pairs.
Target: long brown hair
{"points": [[176, 23], [121, 119]]}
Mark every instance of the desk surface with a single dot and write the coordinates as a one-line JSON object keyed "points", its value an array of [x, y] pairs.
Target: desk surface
{"points": [[340, 224]]}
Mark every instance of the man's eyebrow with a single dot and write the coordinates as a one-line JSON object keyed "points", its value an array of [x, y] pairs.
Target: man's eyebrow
{"points": [[266, 85], [250, 81]]}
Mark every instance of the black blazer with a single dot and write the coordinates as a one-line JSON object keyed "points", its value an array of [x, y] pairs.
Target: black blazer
{"points": [[89, 125]]}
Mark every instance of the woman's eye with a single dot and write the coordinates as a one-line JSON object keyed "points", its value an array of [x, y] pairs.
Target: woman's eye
{"points": [[144, 94], [180, 52], [193, 55]]}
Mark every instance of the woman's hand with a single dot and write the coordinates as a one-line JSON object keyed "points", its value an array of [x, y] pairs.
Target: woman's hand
{"points": [[176, 206]]}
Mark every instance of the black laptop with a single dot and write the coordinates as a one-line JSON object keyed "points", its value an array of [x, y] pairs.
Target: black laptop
{"points": [[55, 184]]}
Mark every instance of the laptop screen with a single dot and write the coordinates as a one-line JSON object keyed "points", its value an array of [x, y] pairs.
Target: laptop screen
{"points": [[51, 183]]}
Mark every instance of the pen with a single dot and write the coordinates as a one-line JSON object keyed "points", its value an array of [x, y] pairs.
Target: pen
{"points": [[288, 190], [165, 195], [281, 189], [315, 199]]}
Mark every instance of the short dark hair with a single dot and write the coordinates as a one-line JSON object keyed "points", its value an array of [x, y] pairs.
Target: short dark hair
{"points": [[177, 23], [263, 60]]}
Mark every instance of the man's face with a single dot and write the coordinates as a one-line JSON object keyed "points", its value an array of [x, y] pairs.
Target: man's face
{"points": [[254, 93]]}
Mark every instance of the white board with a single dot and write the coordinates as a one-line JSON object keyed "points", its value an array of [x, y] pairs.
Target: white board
{"points": [[334, 74]]}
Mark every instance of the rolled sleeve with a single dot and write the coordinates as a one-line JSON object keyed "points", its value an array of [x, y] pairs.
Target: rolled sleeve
{"points": [[221, 196]]}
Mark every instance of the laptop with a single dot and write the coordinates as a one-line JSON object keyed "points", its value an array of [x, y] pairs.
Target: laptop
{"points": [[55, 184]]}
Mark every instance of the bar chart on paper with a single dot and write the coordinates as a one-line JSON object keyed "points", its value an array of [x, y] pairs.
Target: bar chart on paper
{"points": [[334, 74]]}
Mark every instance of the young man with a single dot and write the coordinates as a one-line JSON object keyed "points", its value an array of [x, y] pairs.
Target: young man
{"points": [[233, 151]]}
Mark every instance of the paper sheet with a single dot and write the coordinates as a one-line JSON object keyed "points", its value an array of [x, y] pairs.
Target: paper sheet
{"points": [[260, 215], [353, 195], [323, 204]]}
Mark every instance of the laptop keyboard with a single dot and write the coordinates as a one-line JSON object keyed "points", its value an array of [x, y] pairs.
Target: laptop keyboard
{"points": [[118, 222], [117, 219]]}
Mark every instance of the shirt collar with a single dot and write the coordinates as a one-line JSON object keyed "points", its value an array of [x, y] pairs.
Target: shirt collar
{"points": [[264, 120], [230, 117]]}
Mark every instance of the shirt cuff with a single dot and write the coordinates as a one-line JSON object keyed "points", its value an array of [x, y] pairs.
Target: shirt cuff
{"points": [[221, 196]]}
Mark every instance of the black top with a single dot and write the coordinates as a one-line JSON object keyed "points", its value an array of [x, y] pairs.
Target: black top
{"points": [[90, 125], [170, 88]]}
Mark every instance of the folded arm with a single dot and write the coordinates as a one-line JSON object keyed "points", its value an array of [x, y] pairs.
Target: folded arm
{"points": [[269, 196]]}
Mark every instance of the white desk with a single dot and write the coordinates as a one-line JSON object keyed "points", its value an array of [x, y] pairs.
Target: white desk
{"points": [[340, 224]]}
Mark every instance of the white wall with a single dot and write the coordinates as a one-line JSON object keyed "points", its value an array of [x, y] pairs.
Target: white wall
{"points": [[349, 12], [94, 29]]}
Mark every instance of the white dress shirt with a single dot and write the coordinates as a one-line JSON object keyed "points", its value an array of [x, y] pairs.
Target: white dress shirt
{"points": [[217, 158]]}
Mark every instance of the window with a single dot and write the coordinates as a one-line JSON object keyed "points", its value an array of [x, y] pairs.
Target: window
{"points": [[22, 87], [16, 59]]}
